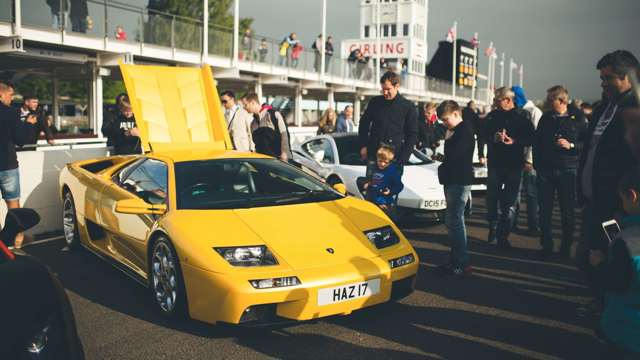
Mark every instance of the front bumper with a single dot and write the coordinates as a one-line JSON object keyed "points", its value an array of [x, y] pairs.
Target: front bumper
{"points": [[230, 298]]}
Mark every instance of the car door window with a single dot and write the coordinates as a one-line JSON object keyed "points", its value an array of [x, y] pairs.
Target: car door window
{"points": [[320, 150], [148, 181]]}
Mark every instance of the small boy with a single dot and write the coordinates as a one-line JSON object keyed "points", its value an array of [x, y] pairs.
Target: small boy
{"points": [[385, 180], [618, 273]]}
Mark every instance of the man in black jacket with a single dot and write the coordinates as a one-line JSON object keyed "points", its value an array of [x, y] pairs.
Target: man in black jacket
{"points": [[30, 108], [557, 144], [456, 174], [470, 113], [390, 119], [508, 131], [606, 157], [12, 132], [430, 130]]}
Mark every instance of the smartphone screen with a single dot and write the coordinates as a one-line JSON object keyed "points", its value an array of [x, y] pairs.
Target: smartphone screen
{"points": [[611, 229]]}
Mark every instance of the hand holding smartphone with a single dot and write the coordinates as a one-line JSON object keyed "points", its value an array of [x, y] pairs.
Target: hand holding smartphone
{"points": [[611, 229]]}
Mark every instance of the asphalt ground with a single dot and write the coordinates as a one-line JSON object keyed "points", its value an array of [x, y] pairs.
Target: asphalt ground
{"points": [[513, 306]]}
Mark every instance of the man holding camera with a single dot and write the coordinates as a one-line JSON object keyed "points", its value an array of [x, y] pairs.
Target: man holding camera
{"points": [[30, 109], [509, 131], [556, 147]]}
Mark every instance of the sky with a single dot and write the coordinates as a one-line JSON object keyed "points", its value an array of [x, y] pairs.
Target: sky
{"points": [[558, 41]]}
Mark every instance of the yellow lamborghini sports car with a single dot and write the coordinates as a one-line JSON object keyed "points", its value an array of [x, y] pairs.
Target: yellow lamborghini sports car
{"points": [[225, 236]]}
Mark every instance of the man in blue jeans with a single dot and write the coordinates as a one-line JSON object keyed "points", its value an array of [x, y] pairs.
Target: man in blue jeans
{"points": [[508, 131], [556, 147], [456, 174], [12, 132]]}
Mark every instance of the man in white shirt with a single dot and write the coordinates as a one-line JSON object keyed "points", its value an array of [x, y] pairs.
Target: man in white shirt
{"points": [[238, 122]]}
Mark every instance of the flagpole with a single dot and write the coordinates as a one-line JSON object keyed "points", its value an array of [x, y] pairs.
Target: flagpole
{"points": [[378, 28], [502, 71], [490, 57], [475, 67], [510, 72], [453, 75], [521, 75]]}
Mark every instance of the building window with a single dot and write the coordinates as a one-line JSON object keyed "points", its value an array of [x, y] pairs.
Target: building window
{"points": [[393, 30], [385, 30], [405, 29], [366, 31]]}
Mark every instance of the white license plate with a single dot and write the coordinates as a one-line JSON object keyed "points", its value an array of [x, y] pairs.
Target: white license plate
{"points": [[434, 204], [348, 292]]}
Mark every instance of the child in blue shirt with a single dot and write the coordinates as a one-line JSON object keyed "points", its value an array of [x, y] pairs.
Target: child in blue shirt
{"points": [[385, 180]]}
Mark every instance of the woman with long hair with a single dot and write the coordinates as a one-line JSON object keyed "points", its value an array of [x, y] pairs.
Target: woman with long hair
{"points": [[327, 123]]}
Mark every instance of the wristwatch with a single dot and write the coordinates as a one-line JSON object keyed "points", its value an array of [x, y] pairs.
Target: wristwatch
{"points": [[572, 145]]}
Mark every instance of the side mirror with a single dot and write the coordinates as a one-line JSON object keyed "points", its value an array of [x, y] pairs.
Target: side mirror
{"points": [[341, 188], [139, 206]]}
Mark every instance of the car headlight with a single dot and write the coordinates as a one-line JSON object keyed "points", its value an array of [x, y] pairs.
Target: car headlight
{"points": [[382, 237], [257, 255]]}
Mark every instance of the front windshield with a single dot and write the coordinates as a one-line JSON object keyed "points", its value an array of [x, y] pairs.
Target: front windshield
{"points": [[244, 183], [349, 152]]}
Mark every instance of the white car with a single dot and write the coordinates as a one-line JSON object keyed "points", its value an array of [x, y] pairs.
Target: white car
{"points": [[336, 158]]}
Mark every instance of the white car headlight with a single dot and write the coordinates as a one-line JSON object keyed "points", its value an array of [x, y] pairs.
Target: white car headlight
{"points": [[257, 255], [382, 237]]}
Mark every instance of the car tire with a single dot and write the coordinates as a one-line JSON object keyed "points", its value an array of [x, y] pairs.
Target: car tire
{"points": [[70, 222], [165, 279]]}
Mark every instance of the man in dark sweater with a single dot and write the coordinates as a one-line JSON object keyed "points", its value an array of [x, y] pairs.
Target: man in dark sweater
{"points": [[456, 174], [12, 132], [122, 131], [389, 119], [558, 141], [606, 157], [508, 131]]}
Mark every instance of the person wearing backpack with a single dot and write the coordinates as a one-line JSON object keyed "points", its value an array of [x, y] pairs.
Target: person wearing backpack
{"points": [[269, 130]]}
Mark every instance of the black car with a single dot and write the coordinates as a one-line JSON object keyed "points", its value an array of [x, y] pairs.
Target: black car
{"points": [[36, 320]]}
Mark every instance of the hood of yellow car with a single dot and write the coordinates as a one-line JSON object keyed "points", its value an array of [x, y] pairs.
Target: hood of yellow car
{"points": [[308, 235], [176, 108]]}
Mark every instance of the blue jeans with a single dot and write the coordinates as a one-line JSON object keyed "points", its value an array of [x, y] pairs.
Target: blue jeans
{"points": [[457, 196], [10, 184], [530, 186], [564, 183], [503, 185]]}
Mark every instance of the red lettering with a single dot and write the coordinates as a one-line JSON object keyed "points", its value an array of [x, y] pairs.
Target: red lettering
{"points": [[388, 48], [366, 50], [400, 48]]}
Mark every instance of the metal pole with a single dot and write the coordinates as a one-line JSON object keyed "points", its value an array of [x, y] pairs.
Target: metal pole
{"points": [[205, 31], [17, 19], [324, 39], [521, 75], [502, 71], [236, 32], [378, 43], [475, 70], [510, 72], [455, 65], [490, 57]]}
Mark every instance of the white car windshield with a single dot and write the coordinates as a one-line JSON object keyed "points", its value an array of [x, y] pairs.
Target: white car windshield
{"points": [[349, 152]]}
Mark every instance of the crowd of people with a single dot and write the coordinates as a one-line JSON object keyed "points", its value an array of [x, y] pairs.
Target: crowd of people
{"points": [[585, 155]]}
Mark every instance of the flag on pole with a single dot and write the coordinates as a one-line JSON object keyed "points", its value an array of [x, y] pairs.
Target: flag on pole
{"points": [[451, 34], [474, 41], [513, 65], [490, 51]]}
